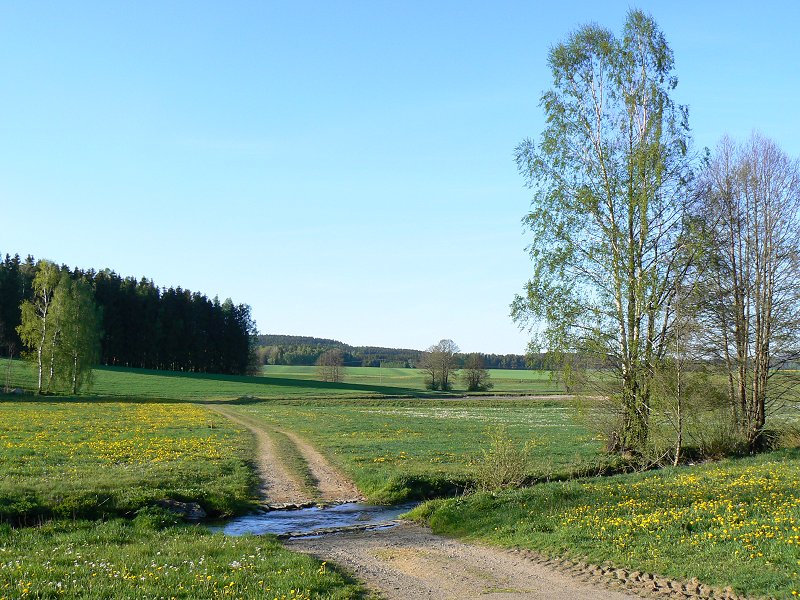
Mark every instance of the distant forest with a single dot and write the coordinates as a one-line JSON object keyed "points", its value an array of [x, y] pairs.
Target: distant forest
{"points": [[144, 326], [300, 350]]}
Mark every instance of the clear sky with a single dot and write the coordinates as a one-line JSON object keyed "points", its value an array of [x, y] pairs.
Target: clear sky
{"points": [[346, 168]]}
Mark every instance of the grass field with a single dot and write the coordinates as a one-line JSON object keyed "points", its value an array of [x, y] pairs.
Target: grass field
{"points": [[506, 381], [736, 522], [396, 450], [84, 458], [69, 459], [139, 559], [107, 455], [277, 382]]}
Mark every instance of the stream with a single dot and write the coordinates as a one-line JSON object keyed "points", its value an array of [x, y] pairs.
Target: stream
{"points": [[315, 520]]}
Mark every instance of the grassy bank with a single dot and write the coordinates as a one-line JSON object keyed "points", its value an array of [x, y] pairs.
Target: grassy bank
{"points": [[412, 449], [140, 559], [79, 458], [736, 522]]}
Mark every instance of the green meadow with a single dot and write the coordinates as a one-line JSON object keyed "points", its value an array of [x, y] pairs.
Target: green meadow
{"points": [[68, 460], [146, 558], [140, 437], [91, 458], [276, 382], [405, 449]]}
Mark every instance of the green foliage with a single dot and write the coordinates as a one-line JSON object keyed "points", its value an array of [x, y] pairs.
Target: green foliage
{"points": [[147, 559], [609, 178], [330, 366], [475, 376], [729, 523], [60, 327], [38, 328], [438, 362], [79, 326], [505, 463]]}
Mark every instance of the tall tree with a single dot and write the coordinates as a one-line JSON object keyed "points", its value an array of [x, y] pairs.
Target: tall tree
{"points": [[609, 178], [330, 365], [751, 208], [475, 375], [79, 325], [38, 329], [438, 362], [11, 297]]}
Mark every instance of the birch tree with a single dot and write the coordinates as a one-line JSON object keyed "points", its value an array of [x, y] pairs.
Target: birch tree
{"points": [[38, 329], [609, 179], [79, 324], [752, 309]]}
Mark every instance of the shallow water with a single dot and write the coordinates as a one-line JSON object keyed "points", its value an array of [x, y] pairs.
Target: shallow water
{"points": [[307, 521]]}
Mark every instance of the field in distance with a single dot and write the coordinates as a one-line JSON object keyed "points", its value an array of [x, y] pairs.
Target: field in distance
{"points": [[278, 382]]}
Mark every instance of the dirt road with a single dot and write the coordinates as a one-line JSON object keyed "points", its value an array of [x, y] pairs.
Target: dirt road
{"points": [[407, 561], [278, 484]]}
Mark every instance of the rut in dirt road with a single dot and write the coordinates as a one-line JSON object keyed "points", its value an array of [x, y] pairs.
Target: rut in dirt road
{"points": [[279, 485]]}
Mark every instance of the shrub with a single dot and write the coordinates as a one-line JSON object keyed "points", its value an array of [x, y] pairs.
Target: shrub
{"points": [[505, 463]]}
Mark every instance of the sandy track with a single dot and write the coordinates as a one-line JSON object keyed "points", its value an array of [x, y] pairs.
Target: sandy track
{"points": [[333, 485], [277, 485], [409, 562]]}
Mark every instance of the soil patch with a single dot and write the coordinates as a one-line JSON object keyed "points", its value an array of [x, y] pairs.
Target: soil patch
{"points": [[408, 561]]}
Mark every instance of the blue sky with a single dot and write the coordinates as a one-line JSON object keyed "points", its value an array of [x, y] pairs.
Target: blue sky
{"points": [[345, 168]]}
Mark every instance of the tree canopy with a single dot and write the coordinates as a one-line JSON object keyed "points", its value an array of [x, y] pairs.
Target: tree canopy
{"points": [[609, 176]]}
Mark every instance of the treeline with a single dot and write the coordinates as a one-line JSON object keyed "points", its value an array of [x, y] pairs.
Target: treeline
{"points": [[143, 325], [306, 350]]}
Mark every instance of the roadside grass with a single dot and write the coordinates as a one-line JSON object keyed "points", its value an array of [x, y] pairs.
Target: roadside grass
{"points": [[413, 449], [735, 522], [139, 559], [91, 458]]}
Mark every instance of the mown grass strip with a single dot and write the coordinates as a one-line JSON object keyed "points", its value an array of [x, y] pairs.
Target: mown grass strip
{"points": [[735, 523]]}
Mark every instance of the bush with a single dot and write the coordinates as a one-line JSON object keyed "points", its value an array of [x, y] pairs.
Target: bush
{"points": [[505, 463]]}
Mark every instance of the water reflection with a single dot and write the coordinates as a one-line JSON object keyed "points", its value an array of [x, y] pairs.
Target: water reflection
{"points": [[307, 521]]}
